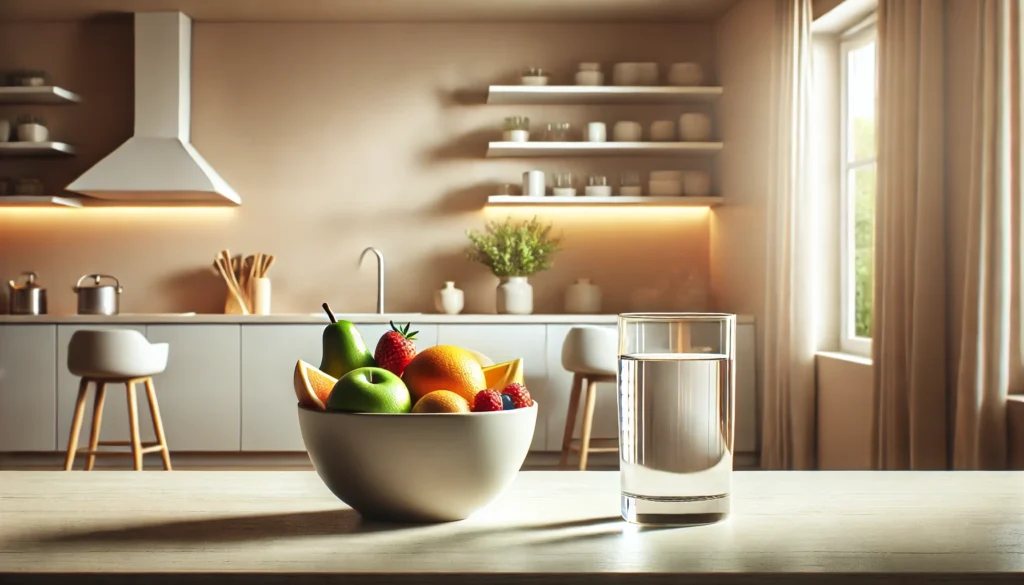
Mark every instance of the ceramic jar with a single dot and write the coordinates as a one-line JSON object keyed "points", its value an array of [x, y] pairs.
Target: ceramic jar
{"points": [[449, 300], [515, 296], [583, 297]]}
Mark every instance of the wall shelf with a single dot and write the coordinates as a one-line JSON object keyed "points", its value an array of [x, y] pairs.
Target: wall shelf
{"points": [[39, 201], [35, 149], [584, 94], [617, 200], [543, 149], [47, 94]]}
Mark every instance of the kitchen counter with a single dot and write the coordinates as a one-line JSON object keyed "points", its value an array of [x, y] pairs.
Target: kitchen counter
{"points": [[549, 527], [368, 318]]}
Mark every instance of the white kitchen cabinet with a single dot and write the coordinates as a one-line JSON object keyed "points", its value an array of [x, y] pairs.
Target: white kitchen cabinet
{"points": [[200, 392], [508, 342], [28, 387], [269, 354], [606, 414], [746, 429], [115, 408]]}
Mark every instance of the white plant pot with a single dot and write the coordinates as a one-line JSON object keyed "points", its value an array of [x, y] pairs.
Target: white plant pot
{"points": [[583, 298], [515, 296], [32, 133], [449, 300]]}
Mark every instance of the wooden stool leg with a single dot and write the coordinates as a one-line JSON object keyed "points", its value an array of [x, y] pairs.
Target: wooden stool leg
{"points": [[570, 418], [158, 424], [97, 420], [588, 422], [76, 424], [133, 424]]}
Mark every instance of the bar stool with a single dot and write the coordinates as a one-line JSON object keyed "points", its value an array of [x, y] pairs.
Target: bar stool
{"points": [[590, 353], [116, 357]]}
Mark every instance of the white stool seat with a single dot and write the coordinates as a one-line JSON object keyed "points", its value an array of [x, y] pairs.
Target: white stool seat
{"points": [[115, 354], [590, 350]]}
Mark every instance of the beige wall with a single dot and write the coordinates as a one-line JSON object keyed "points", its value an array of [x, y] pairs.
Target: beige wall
{"points": [[845, 412], [343, 136], [738, 228]]}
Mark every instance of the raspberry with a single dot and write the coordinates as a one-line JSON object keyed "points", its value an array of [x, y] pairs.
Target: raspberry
{"points": [[486, 401], [519, 394], [506, 402]]}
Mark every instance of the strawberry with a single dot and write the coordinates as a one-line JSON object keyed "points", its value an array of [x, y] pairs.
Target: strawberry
{"points": [[395, 349], [486, 401], [519, 394]]}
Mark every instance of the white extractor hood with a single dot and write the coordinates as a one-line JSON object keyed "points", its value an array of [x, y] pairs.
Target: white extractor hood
{"points": [[158, 163]]}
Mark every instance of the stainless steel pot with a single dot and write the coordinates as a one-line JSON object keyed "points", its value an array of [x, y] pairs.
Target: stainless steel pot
{"points": [[97, 299], [28, 298]]}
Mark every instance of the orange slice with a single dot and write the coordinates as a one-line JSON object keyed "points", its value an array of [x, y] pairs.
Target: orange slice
{"points": [[312, 387], [500, 375]]}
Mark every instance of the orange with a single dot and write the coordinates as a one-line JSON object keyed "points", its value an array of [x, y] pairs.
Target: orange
{"points": [[312, 387], [444, 367], [441, 401]]}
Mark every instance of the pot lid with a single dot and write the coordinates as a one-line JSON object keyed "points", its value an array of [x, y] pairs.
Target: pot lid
{"points": [[96, 282], [30, 281]]}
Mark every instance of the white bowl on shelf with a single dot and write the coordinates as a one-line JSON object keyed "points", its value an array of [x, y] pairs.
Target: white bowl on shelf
{"points": [[665, 187], [627, 131], [697, 183], [685, 74]]}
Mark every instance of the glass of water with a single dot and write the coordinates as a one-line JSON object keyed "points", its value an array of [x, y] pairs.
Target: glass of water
{"points": [[676, 384]]}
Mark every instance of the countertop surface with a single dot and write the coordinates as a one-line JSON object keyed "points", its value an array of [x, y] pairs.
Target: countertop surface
{"points": [[548, 527], [367, 318]]}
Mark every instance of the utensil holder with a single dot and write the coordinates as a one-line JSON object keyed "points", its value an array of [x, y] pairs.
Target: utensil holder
{"points": [[261, 296], [233, 307]]}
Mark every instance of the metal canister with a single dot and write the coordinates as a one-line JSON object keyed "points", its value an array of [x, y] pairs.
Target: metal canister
{"points": [[96, 298], [27, 298]]}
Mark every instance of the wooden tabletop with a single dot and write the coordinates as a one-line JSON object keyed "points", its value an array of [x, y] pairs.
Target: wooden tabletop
{"points": [[550, 527]]}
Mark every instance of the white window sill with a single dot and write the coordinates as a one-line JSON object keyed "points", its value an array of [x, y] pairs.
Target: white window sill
{"points": [[846, 357]]}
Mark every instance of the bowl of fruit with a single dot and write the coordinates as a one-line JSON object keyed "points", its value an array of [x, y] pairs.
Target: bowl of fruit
{"points": [[409, 435]]}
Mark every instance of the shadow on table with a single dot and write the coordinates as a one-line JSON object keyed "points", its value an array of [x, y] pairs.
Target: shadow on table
{"points": [[260, 527]]}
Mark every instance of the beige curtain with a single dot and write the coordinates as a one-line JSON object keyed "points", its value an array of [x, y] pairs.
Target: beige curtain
{"points": [[788, 408], [909, 330], [989, 360]]}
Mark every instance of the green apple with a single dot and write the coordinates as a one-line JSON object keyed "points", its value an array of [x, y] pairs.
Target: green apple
{"points": [[370, 389]]}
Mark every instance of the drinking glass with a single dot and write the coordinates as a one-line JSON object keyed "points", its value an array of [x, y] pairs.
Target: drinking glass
{"points": [[676, 383], [558, 132]]}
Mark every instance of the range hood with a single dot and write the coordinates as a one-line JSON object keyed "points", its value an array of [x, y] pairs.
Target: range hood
{"points": [[158, 163]]}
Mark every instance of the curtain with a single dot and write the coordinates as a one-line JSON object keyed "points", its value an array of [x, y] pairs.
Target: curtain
{"points": [[909, 332], [990, 359], [788, 407]]}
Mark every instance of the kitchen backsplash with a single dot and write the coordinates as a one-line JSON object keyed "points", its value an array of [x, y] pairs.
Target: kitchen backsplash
{"points": [[339, 137]]}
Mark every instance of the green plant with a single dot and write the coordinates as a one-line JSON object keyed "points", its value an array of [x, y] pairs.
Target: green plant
{"points": [[514, 248]]}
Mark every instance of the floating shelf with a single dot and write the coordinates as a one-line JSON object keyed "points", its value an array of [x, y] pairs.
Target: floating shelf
{"points": [[584, 201], [586, 94], [39, 201], [47, 94], [542, 149], [35, 148]]}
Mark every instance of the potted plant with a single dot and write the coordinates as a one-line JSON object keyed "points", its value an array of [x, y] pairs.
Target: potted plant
{"points": [[514, 251]]}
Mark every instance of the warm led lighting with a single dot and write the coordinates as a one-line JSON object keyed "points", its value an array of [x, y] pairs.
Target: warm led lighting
{"points": [[119, 213], [672, 212]]}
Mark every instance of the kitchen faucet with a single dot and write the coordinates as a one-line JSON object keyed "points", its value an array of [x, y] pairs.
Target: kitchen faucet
{"points": [[380, 276]]}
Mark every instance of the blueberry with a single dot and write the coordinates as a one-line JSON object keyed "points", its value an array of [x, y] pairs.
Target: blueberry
{"points": [[506, 402]]}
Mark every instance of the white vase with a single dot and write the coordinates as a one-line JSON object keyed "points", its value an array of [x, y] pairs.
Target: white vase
{"points": [[515, 296], [32, 133], [583, 297], [449, 300]]}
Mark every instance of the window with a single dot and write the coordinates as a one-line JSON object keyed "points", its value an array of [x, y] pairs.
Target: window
{"points": [[857, 188]]}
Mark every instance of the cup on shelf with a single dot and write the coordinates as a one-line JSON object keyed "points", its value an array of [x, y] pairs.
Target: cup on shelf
{"points": [[558, 132], [696, 183], [590, 74], [533, 184], [597, 186], [626, 74], [534, 76], [663, 131], [629, 184], [516, 129], [507, 189], [626, 131], [685, 74], [564, 185], [596, 132], [647, 74], [666, 183], [694, 127]]}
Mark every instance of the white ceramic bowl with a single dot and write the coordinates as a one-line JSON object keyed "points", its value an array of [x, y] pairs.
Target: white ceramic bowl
{"points": [[666, 187], [417, 467], [626, 131]]}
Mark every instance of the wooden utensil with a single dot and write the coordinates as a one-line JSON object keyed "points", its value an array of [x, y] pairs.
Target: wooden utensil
{"points": [[233, 287], [266, 264]]}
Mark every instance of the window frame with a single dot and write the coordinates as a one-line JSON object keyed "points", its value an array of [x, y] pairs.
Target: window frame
{"points": [[856, 37]]}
